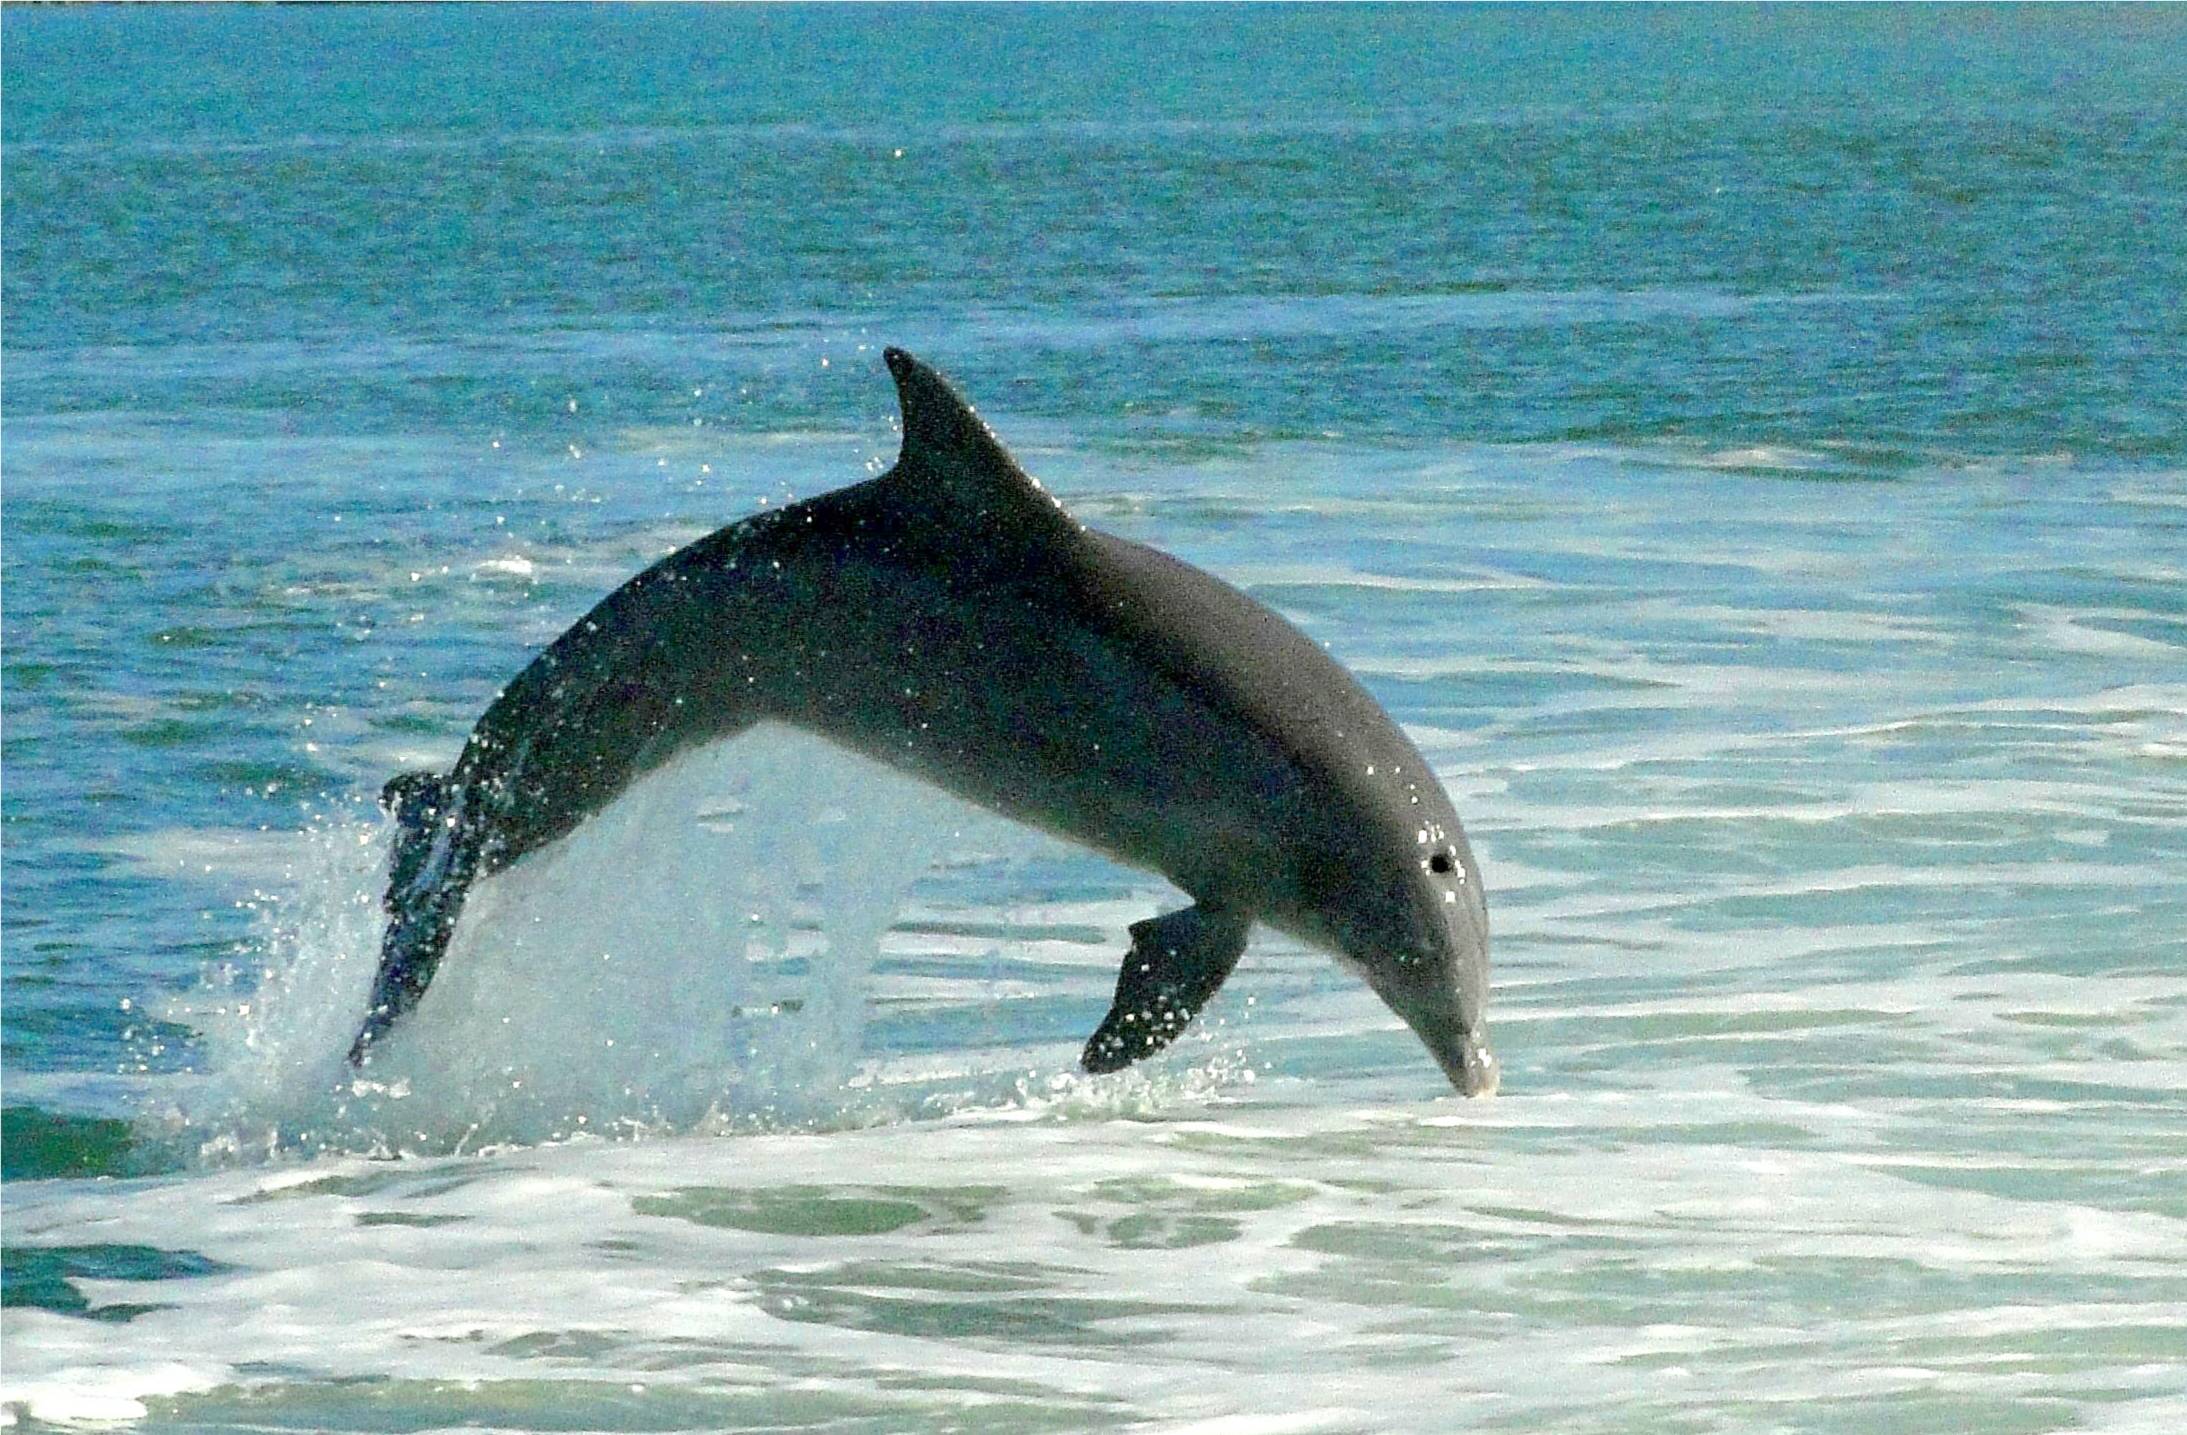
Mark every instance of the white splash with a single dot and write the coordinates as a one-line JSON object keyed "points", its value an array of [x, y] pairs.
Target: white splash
{"points": [[700, 951]]}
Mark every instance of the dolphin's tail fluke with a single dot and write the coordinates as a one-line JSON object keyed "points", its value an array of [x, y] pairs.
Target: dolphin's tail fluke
{"points": [[435, 857]]}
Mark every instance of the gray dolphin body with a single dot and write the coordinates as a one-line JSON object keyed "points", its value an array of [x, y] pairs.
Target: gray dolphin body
{"points": [[950, 619]]}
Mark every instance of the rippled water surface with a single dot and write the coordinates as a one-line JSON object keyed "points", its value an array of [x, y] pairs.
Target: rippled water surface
{"points": [[1746, 451]]}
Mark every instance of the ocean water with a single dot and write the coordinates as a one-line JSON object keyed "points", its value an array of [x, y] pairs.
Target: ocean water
{"points": [[1746, 449]]}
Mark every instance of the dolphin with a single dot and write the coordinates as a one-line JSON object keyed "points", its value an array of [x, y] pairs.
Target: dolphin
{"points": [[950, 619]]}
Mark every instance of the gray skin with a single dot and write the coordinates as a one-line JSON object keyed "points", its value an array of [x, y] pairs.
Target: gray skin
{"points": [[951, 620]]}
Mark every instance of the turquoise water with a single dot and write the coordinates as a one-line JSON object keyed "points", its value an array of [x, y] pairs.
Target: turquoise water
{"points": [[1747, 449]]}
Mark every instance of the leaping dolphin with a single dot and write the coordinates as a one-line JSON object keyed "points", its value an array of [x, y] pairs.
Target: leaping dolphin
{"points": [[951, 620]]}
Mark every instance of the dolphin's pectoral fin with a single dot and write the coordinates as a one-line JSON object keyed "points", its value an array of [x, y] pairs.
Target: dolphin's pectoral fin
{"points": [[1176, 962]]}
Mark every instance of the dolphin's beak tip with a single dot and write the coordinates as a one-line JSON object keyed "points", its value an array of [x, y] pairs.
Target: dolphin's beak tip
{"points": [[1479, 1072]]}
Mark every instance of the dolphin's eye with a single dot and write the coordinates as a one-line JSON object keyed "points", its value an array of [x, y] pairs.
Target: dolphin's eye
{"points": [[1440, 864]]}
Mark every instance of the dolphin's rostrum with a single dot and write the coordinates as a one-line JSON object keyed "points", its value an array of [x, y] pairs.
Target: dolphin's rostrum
{"points": [[950, 619]]}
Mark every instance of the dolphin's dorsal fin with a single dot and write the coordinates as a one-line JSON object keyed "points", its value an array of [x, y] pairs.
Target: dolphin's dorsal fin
{"points": [[952, 461]]}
